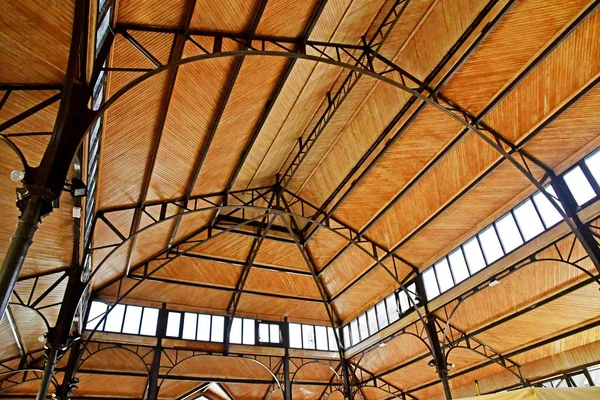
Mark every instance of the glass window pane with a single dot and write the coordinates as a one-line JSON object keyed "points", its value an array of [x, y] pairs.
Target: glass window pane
{"points": [[248, 337], [593, 163], [509, 233], [102, 30], [392, 308], [235, 336], [347, 342], [133, 316], [308, 337], [579, 186], [321, 334], [332, 342], [217, 328], [549, 214], [362, 324], [203, 332], [354, 331], [97, 310], [382, 314], [263, 333], [474, 256], [295, 336], [149, 321], [490, 244], [372, 316], [189, 326], [114, 320], [595, 374], [528, 220], [562, 384], [274, 335], [412, 294], [458, 265], [431, 288], [444, 276], [173, 320], [580, 380], [404, 303]]}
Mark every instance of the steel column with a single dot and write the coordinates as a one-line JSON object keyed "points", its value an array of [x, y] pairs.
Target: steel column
{"points": [[64, 392], [50, 364], [161, 332], [19, 245], [586, 237], [287, 384]]}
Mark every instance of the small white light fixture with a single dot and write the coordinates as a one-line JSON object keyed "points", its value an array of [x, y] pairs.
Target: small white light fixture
{"points": [[17, 175], [382, 344], [494, 283]]}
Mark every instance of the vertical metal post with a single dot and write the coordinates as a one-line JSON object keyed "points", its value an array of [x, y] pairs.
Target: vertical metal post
{"points": [[17, 250], [59, 335], [161, 332], [51, 358], [287, 393], [437, 352], [69, 377], [438, 357], [586, 237]]}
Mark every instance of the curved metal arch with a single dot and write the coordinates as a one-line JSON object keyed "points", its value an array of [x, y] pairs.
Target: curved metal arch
{"points": [[315, 362], [531, 261], [16, 149], [333, 391], [115, 347], [506, 155], [498, 361], [53, 380], [418, 337], [360, 387], [272, 392], [179, 362], [565, 263], [36, 310]]}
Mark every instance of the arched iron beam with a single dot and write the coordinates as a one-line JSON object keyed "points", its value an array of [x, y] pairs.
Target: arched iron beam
{"points": [[451, 110], [16, 150], [405, 109], [530, 260], [117, 347], [179, 362], [335, 373], [482, 349]]}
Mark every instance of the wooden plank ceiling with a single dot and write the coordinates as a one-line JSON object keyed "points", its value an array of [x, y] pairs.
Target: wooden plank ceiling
{"points": [[399, 173]]}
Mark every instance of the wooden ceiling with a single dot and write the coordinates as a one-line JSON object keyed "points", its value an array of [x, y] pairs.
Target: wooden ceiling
{"points": [[183, 148]]}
